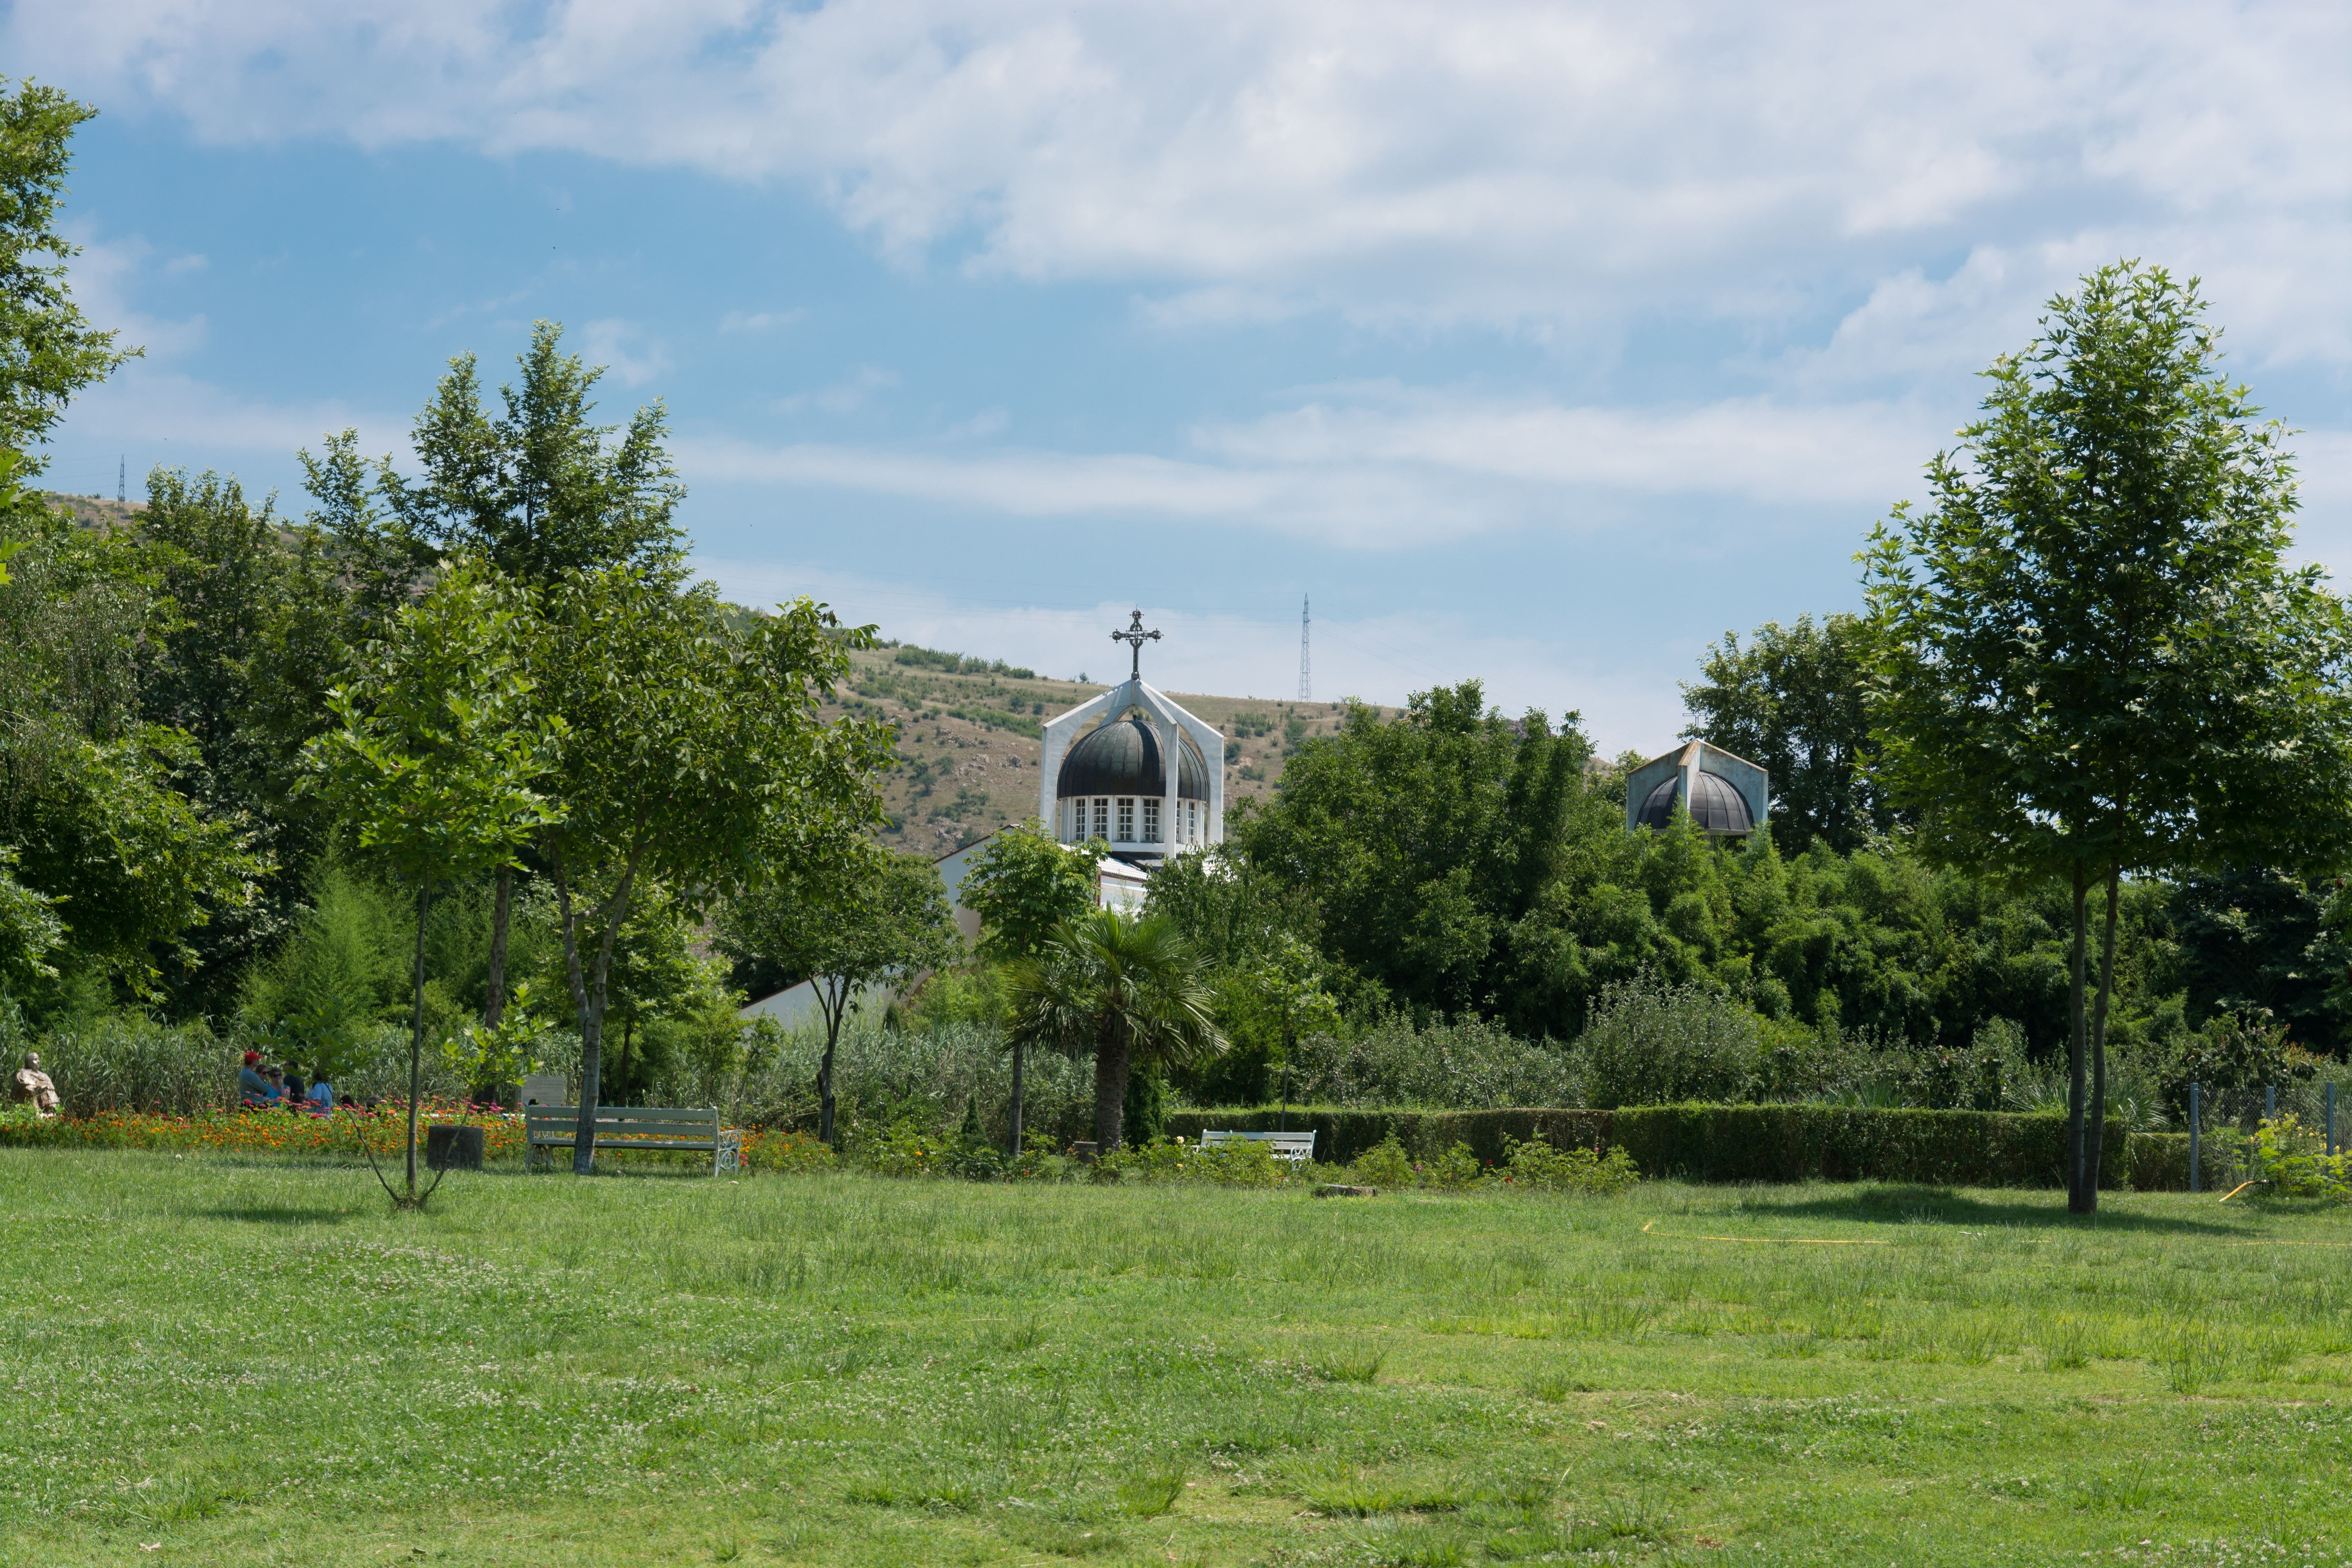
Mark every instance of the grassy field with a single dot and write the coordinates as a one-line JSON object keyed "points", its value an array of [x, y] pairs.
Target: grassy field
{"points": [[213, 1362]]}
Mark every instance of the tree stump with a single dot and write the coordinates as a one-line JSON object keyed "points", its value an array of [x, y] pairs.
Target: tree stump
{"points": [[452, 1148]]}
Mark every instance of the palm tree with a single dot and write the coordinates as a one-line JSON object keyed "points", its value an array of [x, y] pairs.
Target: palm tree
{"points": [[1131, 991]]}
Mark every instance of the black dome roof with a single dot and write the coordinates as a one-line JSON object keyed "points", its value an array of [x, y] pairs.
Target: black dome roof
{"points": [[1122, 757], [1716, 806]]}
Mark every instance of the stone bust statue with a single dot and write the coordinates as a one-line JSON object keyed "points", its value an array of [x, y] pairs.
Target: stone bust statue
{"points": [[31, 1083]]}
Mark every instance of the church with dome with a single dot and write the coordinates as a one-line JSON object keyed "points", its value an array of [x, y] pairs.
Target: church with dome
{"points": [[1133, 769], [1727, 796]]}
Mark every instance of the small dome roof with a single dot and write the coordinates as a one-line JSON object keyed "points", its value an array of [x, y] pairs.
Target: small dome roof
{"points": [[1716, 806], [1122, 757]]}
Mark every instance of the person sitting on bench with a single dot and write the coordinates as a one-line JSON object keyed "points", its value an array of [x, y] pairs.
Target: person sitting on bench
{"points": [[251, 1086]]}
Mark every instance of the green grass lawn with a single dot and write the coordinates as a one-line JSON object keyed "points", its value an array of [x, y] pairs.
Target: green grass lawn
{"points": [[230, 1363]]}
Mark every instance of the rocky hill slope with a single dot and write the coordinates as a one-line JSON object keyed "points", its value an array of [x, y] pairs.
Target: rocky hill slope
{"points": [[970, 740]]}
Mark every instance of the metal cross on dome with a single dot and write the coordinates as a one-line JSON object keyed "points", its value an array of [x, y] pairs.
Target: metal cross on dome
{"points": [[1135, 637]]}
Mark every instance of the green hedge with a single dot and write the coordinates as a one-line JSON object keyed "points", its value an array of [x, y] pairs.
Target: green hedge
{"points": [[1723, 1143], [2160, 1161]]}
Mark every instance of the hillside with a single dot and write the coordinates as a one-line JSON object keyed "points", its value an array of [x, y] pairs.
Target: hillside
{"points": [[970, 729], [970, 740], [92, 511]]}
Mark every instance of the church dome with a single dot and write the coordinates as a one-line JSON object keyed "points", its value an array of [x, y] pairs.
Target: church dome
{"points": [[1715, 806], [1123, 758]]}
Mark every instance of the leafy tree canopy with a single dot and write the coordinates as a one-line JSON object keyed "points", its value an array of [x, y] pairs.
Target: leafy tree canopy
{"points": [[539, 490], [1795, 701], [48, 350], [847, 916], [2094, 656], [1423, 839], [1022, 883]]}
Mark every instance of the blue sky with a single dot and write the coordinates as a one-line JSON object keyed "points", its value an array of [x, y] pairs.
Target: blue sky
{"points": [[1542, 344]]}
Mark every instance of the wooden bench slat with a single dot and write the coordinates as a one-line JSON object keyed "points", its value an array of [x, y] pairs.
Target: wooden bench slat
{"points": [[569, 1129], [626, 1129]]}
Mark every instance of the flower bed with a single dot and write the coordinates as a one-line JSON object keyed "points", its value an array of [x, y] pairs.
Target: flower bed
{"points": [[348, 1133]]}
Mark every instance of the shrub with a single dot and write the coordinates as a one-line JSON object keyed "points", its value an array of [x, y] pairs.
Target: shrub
{"points": [[923, 1076], [1650, 1043], [1472, 1063], [1547, 1169], [1385, 1165], [2287, 1155], [1459, 1166], [1721, 1142], [1240, 1165], [786, 1154]]}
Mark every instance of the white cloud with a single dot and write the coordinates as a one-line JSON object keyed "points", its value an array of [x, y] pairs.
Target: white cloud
{"points": [[1366, 509], [989, 422], [155, 415], [1233, 653], [1383, 466], [622, 348], [1513, 161], [104, 277], [845, 395], [1748, 448], [759, 321]]}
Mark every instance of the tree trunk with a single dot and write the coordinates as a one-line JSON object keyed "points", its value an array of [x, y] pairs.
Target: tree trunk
{"points": [[1019, 1053], [2077, 1200], [591, 1038], [416, 1032], [833, 1006], [1110, 1092], [2095, 1133], [628, 1029], [588, 997], [494, 998]]}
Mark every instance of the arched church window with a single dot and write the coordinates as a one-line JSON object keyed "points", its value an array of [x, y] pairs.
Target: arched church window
{"points": [[1151, 821]]}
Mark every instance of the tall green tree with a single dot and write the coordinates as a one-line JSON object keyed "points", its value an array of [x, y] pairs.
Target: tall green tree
{"points": [[1795, 701], [90, 805], [693, 752], [1423, 839], [1128, 991], [537, 488], [848, 916], [253, 639], [378, 559], [1023, 884], [48, 349], [437, 753], [2096, 659]]}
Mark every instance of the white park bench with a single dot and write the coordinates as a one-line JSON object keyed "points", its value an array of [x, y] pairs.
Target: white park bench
{"points": [[1295, 1147], [636, 1128]]}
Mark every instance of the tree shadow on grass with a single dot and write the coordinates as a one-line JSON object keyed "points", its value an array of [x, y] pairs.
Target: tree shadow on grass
{"points": [[256, 1214], [1890, 1203]]}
